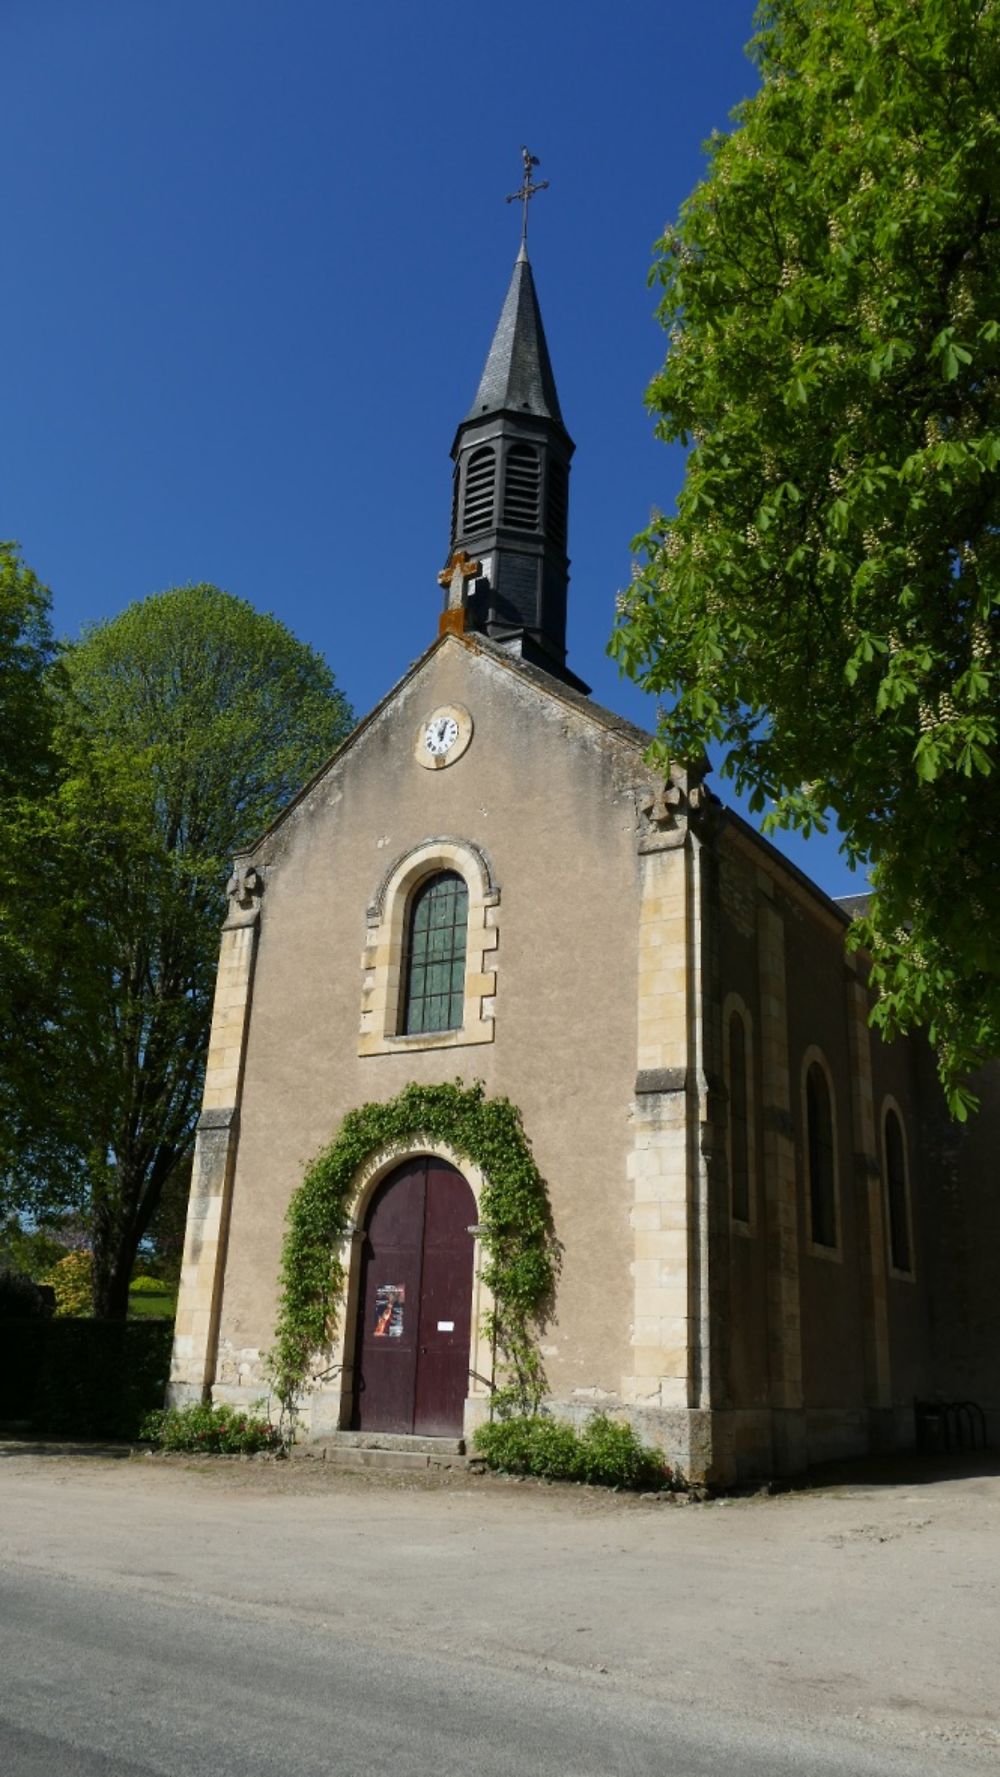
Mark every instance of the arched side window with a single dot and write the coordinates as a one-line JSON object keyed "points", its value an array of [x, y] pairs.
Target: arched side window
{"points": [[429, 963], [897, 1193], [740, 1132], [522, 483], [821, 1158], [480, 479], [434, 968]]}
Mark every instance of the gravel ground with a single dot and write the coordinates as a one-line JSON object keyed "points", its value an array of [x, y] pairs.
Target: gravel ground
{"points": [[865, 1610]]}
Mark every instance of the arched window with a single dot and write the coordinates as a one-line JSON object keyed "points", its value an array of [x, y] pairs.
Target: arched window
{"points": [[822, 1182], [739, 1120], [897, 1195], [477, 507], [436, 905], [522, 479], [434, 972]]}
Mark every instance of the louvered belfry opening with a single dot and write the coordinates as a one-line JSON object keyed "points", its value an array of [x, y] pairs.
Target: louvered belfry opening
{"points": [[480, 479], [522, 478], [557, 503]]}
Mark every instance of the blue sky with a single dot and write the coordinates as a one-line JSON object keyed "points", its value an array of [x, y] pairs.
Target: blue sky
{"points": [[255, 256]]}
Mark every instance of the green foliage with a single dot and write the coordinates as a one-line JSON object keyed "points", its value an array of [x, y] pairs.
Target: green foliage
{"points": [[514, 1217], [83, 1378], [149, 1286], [606, 1452], [824, 603], [31, 1251], [27, 652], [73, 1281], [180, 729], [215, 1431]]}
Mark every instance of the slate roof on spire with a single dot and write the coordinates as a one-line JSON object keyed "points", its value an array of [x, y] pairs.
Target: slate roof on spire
{"points": [[518, 373]]}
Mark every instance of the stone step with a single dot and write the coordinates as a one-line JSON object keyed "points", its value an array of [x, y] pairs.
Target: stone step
{"points": [[397, 1461], [391, 1440], [384, 1450]]}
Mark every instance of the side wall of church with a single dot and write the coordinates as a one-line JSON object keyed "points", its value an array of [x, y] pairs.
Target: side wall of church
{"points": [[906, 1080], [738, 987], [827, 1344], [550, 801], [960, 1254]]}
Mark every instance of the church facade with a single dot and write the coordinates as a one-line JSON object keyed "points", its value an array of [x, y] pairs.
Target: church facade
{"points": [[771, 1240]]}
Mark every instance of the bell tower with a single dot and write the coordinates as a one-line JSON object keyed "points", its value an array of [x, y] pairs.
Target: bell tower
{"points": [[511, 482]]}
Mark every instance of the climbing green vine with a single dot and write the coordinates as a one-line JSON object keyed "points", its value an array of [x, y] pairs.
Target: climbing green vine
{"points": [[516, 1232]]}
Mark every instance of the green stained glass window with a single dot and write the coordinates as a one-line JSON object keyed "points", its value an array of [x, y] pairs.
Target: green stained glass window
{"points": [[435, 955]]}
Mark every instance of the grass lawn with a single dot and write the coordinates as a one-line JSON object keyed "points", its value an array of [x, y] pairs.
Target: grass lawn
{"points": [[144, 1305]]}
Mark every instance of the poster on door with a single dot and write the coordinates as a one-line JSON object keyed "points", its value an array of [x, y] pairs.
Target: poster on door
{"points": [[389, 1300]]}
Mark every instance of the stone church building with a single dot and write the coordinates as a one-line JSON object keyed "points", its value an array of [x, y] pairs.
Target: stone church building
{"points": [[771, 1238]]}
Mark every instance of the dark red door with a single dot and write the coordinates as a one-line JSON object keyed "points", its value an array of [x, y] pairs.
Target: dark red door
{"points": [[411, 1364]]}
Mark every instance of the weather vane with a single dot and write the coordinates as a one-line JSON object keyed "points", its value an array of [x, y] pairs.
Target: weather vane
{"points": [[527, 191]]}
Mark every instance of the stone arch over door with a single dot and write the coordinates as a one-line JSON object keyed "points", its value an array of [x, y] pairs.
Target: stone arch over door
{"points": [[332, 1406]]}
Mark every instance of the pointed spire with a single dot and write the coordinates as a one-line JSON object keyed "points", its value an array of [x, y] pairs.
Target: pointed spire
{"points": [[510, 497], [517, 377]]}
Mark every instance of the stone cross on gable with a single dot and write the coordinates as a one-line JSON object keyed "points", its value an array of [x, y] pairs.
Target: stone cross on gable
{"points": [[460, 569]]}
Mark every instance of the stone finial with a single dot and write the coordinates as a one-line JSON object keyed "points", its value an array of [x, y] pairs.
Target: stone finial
{"points": [[244, 888], [662, 811], [658, 808]]}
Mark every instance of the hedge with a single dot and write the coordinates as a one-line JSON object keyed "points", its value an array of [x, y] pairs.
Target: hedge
{"points": [[83, 1378]]}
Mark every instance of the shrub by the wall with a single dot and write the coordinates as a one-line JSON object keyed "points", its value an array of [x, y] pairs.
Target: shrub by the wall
{"points": [[219, 1431], [605, 1452]]}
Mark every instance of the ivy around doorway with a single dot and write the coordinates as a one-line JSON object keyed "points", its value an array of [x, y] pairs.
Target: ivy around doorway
{"points": [[515, 1227]]}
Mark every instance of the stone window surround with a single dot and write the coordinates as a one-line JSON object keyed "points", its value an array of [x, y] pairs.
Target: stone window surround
{"points": [[890, 1104], [814, 1247], [382, 959], [733, 1003]]}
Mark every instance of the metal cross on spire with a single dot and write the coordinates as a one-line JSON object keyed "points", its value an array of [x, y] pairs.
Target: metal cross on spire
{"points": [[527, 191]]}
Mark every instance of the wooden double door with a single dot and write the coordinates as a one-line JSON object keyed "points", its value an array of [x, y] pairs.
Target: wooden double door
{"points": [[411, 1349]]}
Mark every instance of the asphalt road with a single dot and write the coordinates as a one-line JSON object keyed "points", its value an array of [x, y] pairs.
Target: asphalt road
{"points": [[96, 1684], [161, 1621]]}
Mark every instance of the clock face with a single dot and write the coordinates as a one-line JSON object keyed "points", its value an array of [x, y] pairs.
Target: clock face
{"points": [[440, 735]]}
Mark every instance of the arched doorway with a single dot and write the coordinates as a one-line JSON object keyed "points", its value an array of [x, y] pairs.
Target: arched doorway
{"points": [[411, 1349]]}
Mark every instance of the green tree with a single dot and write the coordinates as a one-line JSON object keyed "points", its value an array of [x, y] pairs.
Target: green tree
{"points": [[180, 730], [824, 602], [29, 1252], [27, 651], [28, 672]]}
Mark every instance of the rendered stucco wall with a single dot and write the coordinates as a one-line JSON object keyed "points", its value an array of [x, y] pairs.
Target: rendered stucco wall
{"points": [[550, 800]]}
